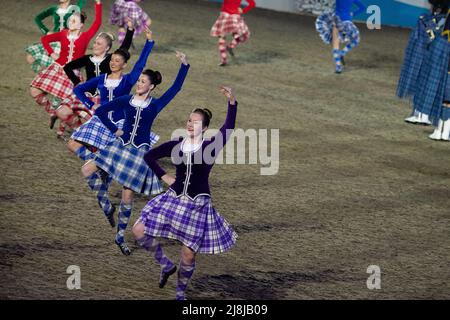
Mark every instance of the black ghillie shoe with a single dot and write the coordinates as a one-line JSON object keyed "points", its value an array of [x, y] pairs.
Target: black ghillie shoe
{"points": [[123, 247], [165, 276], [222, 64], [110, 216]]}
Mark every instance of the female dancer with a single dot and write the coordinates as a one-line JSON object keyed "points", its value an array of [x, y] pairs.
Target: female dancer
{"points": [[231, 22], [185, 211], [336, 27], [71, 110], [427, 30], [53, 80], [122, 10], [123, 159], [37, 57], [94, 134]]}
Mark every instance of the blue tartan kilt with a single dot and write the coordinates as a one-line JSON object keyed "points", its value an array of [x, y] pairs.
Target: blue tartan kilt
{"points": [[412, 62], [94, 133], [348, 32], [193, 222], [433, 80], [126, 165]]}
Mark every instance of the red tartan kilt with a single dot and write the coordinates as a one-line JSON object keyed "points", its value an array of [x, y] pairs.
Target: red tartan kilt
{"points": [[230, 24], [54, 81], [80, 113]]}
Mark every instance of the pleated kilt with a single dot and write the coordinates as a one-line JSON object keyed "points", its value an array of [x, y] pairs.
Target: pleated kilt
{"points": [[432, 80], [54, 81], [195, 223], [94, 133], [412, 62], [348, 31], [121, 10], [41, 58], [230, 24], [126, 165]]}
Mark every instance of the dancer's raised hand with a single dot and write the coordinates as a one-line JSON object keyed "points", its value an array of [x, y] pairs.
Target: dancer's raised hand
{"points": [[182, 57], [228, 92]]}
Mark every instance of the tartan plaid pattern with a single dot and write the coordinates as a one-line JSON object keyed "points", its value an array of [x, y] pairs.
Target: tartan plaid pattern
{"points": [[432, 80], [122, 9], [230, 24], [195, 223], [126, 165], [53, 80], [413, 60], [41, 58], [94, 133], [348, 32]]}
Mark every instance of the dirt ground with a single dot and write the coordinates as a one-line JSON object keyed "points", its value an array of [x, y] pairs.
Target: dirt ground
{"points": [[356, 185]]}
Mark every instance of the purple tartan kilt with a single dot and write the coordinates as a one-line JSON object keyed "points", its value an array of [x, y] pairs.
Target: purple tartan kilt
{"points": [[195, 223], [127, 166], [121, 10]]}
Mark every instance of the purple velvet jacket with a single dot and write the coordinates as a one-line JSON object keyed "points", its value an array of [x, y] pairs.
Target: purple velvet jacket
{"points": [[192, 168]]}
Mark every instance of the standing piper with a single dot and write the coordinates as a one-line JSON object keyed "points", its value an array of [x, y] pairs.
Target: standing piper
{"points": [[336, 27], [185, 211], [427, 31], [123, 159], [231, 22]]}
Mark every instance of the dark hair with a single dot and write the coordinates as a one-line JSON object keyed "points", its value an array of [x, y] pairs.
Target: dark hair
{"points": [[154, 76], [441, 5], [83, 17], [124, 53], [206, 113]]}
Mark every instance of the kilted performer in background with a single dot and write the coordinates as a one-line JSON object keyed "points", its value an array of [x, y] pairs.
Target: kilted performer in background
{"points": [[231, 22], [37, 57], [53, 80], [440, 113], [336, 27], [185, 212], [123, 159], [122, 10], [427, 30]]}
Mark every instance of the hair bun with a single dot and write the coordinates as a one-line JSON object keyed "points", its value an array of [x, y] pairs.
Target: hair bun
{"points": [[208, 113], [157, 78]]}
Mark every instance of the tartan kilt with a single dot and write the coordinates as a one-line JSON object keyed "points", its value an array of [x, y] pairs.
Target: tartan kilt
{"points": [[433, 80], [54, 81], [230, 24], [73, 102], [94, 133], [195, 223], [412, 62], [41, 58], [348, 31], [121, 10], [127, 166]]}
